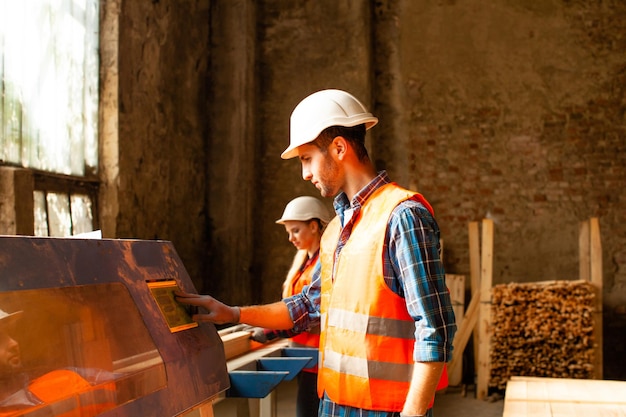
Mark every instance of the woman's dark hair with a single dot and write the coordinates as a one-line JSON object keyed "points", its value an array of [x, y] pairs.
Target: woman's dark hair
{"points": [[354, 135]]}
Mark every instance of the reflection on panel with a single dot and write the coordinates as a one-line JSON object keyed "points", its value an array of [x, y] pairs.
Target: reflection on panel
{"points": [[72, 351]]}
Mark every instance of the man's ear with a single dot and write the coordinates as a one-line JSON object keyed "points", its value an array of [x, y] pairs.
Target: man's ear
{"points": [[341, 147]]}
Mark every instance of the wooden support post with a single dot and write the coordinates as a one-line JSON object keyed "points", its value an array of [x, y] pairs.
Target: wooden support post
{"points": [[462, 335], [596, 278], [456, 285], [590, 254], [474, 258], [206, 410], [263, 407], [484, 321], [584, 251]]}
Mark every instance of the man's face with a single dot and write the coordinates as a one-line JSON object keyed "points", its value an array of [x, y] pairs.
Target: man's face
{"points": [[321, 169], [10, 359]]}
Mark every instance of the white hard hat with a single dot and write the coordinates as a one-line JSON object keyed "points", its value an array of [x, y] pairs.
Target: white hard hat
{"points": [[305, 208], [321, 110], [9, 319]]}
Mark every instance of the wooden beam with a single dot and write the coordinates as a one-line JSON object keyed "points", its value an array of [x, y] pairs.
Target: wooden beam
{"points": [[596, 280], [539, 397], [584, 242], [484, 323], [206, 410], [462, 335], [474, 255], [236, 343], [456, 285]]}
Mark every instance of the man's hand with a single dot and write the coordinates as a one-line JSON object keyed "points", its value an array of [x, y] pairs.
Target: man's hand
{"points": [[217, 312]]}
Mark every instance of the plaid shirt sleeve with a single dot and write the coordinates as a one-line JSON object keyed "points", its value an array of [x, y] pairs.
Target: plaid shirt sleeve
{"points": [[413, 269], [304, 307]]}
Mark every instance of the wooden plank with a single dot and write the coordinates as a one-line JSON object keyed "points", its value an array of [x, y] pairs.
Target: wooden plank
{"points": [[522, 409], [584, 251], [590, 252], [564, 390], [268, 405], [474, 255], [553, 397], [586, 410], [595, 255], [206, 410], [534, 396], [548, 409], [548, 282], [236, 343], [463, 334], [484, 317], [456, 286]]}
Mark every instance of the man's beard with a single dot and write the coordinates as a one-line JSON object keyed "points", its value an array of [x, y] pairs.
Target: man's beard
{"points": [[327, 178]]}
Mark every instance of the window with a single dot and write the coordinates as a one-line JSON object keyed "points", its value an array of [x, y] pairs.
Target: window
{"points": [[49, 106], [64, 206]]}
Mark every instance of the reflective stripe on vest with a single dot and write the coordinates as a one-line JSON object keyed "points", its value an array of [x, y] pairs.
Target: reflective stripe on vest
{"points": [[381, 326]]}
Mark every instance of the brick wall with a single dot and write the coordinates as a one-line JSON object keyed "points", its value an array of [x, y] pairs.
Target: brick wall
{"points": [[507, 110]]}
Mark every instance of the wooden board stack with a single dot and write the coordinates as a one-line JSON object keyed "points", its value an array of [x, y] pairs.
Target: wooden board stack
{"points": [[542, 330]]}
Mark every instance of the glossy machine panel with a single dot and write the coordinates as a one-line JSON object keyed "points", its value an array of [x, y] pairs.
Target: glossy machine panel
{"points": [[85, 307]]}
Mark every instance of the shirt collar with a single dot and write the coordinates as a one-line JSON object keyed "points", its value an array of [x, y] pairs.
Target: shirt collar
{"points": [[342, 204], [310, 260]]}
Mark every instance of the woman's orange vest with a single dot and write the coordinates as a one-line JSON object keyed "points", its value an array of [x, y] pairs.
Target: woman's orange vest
{"points": [[69, 395], [93, 400], [368, 336], [295, 282]]}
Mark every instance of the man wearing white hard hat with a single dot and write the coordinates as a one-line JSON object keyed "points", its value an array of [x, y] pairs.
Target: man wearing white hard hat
{"points": [[379, 289]]}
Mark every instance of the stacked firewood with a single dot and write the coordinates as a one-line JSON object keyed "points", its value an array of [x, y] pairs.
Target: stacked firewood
{"points": [[542, 329]]}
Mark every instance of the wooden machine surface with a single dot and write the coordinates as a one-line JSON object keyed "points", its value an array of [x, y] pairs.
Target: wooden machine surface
{"points": [[86, 305]]}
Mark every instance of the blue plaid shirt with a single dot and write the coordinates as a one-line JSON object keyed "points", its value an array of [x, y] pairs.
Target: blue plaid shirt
{"points": [[412, 268]]}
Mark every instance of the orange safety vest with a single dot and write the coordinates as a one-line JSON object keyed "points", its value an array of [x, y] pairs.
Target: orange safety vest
{"points": [[68, 394], [368, 336], [295, 282]]}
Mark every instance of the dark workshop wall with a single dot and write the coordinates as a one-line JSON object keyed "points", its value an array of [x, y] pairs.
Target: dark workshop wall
{"points": [[507, 110]]}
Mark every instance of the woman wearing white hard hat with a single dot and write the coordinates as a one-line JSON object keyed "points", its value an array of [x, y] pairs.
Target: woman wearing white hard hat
{"points": [[304, 219]]}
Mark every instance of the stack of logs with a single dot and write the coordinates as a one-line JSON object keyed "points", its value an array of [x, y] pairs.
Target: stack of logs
{"points": [[542, 329]]}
